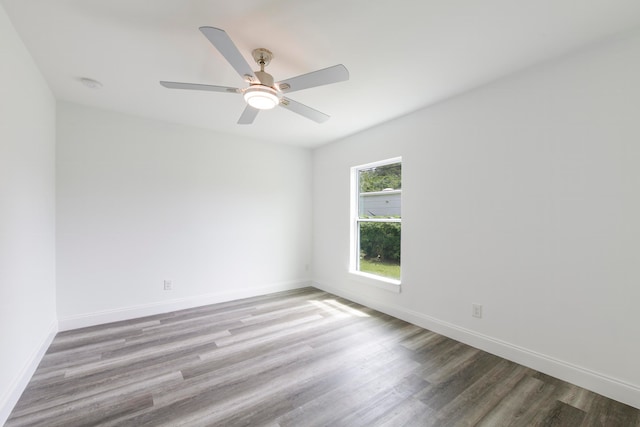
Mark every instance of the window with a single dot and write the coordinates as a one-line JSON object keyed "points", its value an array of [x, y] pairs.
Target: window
{"points": [[376, 190]]}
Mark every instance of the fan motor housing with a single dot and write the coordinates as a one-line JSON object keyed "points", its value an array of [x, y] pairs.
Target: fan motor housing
{"points": [[265, 78]]}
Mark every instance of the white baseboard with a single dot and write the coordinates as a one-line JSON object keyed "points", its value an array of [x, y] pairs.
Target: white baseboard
{"points": [[20, 381], [133, 312], [602, 384]]}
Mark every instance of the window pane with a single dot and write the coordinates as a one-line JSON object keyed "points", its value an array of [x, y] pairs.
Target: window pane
{"points": [[380, 178], [380, 248], [380, 204], [380, 191]]}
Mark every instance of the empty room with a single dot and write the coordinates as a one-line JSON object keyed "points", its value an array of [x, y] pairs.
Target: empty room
{"points": [[319, 213]]}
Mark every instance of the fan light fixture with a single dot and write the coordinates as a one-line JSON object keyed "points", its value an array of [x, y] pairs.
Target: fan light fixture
{"points": [[261, 97], [263, 92]]}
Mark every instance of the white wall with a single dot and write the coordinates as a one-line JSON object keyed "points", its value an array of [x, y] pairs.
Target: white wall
{"points": [[27, 216], [523, 196], [141, 201]]}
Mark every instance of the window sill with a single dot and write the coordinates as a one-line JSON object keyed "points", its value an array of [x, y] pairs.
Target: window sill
{"points": [[391, 285]]}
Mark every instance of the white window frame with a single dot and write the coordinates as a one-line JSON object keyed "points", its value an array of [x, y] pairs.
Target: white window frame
{"points": [[387, 283]]}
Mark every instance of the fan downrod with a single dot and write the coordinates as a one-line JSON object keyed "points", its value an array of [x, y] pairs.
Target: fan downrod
{"points": [[262, 56]]}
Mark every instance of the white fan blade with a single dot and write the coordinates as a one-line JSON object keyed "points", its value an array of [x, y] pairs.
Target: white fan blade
{"points": [[225, 46], [337, 73], [303, 110], [248, 115], [196, 86]]}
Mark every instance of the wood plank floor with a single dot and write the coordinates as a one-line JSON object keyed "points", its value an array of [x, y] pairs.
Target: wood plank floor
{"points": [[299, 358]]}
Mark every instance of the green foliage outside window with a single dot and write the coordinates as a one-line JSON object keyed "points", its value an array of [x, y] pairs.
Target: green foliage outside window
{"points": [[380, 241], [381, 177]]}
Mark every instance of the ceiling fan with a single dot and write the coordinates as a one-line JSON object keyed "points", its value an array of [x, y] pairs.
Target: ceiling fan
{"points": [[262, 93]]}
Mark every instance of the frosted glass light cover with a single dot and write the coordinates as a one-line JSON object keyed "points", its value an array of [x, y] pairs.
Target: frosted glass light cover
{"points": [[261, 97]]}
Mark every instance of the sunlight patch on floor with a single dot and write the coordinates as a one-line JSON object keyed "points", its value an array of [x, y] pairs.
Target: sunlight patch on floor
{"points": [[337, 309]]}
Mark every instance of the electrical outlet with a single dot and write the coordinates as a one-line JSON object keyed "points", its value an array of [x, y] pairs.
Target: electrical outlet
{"points": [[476, 310], [168, 285]]}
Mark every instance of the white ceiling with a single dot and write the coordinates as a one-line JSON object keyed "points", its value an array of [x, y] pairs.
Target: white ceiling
{"points": [[402, 55]]}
